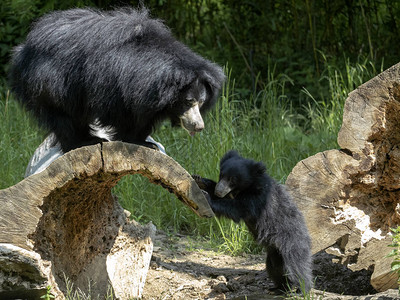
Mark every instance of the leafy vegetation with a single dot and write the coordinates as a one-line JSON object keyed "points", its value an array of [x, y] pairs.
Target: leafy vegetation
{"points": [[48, 295], [395, 253], [289, 34]]}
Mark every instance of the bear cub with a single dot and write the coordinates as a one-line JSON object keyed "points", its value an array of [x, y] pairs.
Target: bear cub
{"points": [[245, 192]]}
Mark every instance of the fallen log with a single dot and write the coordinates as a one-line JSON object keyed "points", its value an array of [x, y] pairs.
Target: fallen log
{"points": [[351, 197], [63, 224]]}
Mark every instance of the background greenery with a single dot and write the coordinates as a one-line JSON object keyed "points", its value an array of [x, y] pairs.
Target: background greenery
{"points": [[296, 36], [290, 65]]}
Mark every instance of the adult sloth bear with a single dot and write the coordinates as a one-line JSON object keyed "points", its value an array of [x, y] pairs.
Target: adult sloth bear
{"points": [[245, 192], [118, 69]]}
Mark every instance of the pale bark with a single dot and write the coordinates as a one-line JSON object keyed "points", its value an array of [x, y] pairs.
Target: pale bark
{"points": [[351, 197]]}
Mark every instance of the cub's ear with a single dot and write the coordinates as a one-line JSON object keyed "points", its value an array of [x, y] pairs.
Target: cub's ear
{"points": [[228, 155], [258, 168]]}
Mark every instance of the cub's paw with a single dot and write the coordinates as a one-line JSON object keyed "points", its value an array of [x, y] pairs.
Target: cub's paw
{"points": [[200, 182]]}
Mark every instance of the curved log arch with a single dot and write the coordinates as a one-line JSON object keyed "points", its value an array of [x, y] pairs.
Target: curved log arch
{"points": [[159, 169], [67, 214]]}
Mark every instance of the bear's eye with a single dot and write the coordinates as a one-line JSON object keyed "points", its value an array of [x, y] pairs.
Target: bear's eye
{"points": [[233, 180], [190, 102], [201, 102]]}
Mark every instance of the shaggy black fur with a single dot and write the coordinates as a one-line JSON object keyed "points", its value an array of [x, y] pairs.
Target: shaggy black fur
{"points": [[119, 68], [245, 192]]}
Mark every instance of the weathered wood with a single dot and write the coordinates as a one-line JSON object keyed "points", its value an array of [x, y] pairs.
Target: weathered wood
{"points": [[351, 197], [23, 274], [158, 168], [67, 215]]}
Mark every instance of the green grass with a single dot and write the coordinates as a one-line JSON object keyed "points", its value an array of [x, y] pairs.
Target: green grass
{"points": [[19, 136], [263, 126]]}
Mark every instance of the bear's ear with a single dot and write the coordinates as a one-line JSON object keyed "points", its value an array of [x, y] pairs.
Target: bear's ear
{"points": [[228, 155], [258, 168], [213, 75], [212, 78]]}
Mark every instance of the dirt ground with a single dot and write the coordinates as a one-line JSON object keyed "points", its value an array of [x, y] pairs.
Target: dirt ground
{"points": [[183, 269]]}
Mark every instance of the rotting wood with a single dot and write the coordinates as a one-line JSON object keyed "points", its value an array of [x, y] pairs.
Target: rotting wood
{"points": [[67, 215], [350, 197]]}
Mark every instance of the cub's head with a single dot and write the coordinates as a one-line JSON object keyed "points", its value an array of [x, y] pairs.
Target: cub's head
{"points": [[238, 174]]}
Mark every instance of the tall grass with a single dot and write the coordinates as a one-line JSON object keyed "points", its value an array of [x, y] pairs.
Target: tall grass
{"points": [[263, 126], [19, 136]]}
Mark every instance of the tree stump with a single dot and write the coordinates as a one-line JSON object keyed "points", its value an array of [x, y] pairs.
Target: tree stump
{"points": [[351, 197], [63, 223]]}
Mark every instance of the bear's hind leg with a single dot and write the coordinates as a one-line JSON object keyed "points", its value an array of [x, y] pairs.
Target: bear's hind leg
{"points": [[70, 133], [296, 266], [275, 268]]}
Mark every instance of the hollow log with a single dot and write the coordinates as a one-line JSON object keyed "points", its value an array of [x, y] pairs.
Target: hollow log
{"points": [[351, 197], [63, 225]]}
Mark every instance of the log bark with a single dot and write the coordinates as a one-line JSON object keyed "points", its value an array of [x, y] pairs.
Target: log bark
{"points": [[351, 197], [64, 223]]}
